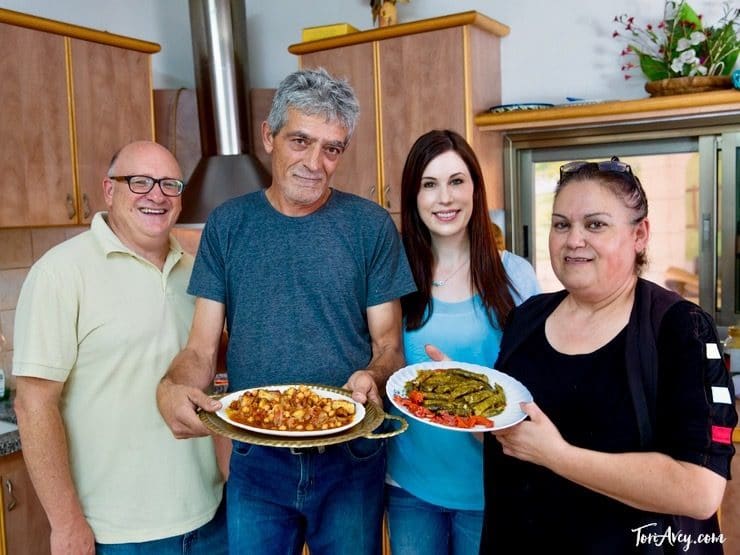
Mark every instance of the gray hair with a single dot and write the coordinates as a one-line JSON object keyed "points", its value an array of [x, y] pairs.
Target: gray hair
{"points": [[315, 92]]}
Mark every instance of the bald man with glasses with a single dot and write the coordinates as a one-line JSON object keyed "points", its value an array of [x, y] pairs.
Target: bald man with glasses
{"points": [[98, 321]]}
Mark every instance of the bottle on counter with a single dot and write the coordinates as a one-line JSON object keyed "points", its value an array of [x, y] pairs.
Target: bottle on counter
{"points": [[220, 383], [731, 354]]}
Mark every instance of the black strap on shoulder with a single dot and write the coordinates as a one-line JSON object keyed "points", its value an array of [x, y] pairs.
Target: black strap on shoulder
{"points": [[651, 304]]}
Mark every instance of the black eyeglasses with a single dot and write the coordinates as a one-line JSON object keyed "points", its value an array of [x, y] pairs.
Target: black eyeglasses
{"points": [[612, 165], [142, 184]]}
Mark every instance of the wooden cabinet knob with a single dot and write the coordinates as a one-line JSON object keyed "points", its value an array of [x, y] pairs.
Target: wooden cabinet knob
{"points": [[71, 210], [11, 498], [85, 206]]}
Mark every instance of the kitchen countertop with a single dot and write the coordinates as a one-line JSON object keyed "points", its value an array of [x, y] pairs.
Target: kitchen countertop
{"points": [[10, 441]]}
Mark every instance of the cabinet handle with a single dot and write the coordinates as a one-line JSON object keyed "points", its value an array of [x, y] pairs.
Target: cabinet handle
{"points": [[11, 498], [71, 211], [386, 194], [372, 192], [85, 206]]}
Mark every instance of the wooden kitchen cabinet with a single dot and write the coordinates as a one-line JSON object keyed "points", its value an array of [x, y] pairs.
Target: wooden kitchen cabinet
{"points": [[36, 174], [358, 172], [69, 97], [24, 527], [113, 106], [410, 78]]}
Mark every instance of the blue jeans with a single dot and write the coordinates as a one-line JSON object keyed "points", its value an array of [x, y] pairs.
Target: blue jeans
{"points": [[333, 500], [416, 527], [209, 539]]}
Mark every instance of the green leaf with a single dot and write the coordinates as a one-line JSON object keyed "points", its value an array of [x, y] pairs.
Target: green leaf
{"points": [[687, 13], [652, 68]]}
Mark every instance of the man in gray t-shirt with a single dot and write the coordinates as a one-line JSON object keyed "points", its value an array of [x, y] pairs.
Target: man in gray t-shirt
{"points": [[308, 280]]}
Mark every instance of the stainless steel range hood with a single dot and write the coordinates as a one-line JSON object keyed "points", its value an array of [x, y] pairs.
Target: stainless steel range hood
{"points": [[228, 167]]}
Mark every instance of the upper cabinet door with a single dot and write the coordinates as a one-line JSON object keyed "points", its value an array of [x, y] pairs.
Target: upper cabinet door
{"points": [[113, 106], [36, 174], [358, 171], [422, 87], [411, 78]]}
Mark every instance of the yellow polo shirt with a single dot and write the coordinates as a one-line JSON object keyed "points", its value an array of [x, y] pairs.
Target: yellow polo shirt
{"points": [[107, 322]]}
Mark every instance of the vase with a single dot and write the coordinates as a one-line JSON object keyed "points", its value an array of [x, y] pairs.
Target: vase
{"points": [[684, 85], [388, 14]]}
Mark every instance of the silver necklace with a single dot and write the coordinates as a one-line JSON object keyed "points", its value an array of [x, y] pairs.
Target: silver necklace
{"points": [[441, 283]]}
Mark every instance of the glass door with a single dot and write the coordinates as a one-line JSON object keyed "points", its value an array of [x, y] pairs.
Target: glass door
{"points": [[728, 167], [679, 176]]}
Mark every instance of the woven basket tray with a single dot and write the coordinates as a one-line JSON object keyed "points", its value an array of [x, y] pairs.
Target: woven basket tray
{"points": [[374, 415], [684, 85]]}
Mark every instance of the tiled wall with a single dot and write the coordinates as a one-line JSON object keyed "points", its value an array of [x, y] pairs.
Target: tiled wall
{"points": [[19, 249], [188, 237]]}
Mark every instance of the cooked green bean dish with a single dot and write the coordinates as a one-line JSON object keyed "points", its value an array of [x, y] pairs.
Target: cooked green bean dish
{"points": [[457, 392]]}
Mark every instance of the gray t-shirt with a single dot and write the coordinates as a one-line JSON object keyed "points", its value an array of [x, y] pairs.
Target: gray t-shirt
{"points": [[297, 289]]}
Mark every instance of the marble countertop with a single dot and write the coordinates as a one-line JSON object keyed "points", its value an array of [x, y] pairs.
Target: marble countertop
{"points": [[10, 441]]}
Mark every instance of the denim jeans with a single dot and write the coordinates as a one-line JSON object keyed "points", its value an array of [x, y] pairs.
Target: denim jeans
{"points": [[416, 527], [333, 500], [209, 539]]}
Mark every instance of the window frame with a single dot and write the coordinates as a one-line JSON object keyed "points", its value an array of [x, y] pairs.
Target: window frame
{"points": [[706, 135]]}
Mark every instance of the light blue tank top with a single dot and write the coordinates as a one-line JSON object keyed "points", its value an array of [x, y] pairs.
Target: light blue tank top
{"points": [[444, 467]]}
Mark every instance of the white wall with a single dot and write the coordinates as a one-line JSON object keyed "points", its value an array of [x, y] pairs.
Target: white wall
{"points": [[556, 48], [166, 22]]}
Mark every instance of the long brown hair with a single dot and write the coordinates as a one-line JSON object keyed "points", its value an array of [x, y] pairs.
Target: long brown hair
{"points": [[487, 273]]}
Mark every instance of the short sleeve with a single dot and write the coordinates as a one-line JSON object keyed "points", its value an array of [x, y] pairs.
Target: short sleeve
{"points": [[208, 279], [522, 277], [695, 406], [389, 276], [45, 330]]}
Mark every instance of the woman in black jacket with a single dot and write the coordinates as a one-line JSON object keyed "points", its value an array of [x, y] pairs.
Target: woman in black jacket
{"points": [[633, 408]]}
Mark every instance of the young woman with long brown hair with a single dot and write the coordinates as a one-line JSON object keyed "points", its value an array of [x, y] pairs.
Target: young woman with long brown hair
{"points": [[466, 290]]}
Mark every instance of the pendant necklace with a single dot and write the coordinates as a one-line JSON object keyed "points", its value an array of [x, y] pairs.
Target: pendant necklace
{"points": [[441, 283]]}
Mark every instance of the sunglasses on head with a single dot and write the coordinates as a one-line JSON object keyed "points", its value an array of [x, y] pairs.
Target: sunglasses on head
{"points": [[612, 165]]}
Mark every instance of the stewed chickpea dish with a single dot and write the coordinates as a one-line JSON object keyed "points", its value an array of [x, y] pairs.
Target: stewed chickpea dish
{"points": [[295, 409]]}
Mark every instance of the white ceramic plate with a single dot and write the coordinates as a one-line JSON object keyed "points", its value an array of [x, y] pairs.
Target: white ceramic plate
{"points": [[513, 389], [227, 399]]}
